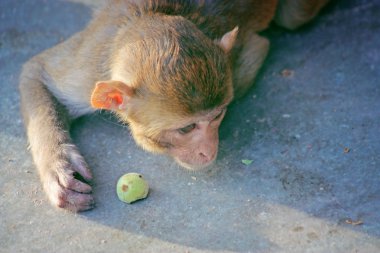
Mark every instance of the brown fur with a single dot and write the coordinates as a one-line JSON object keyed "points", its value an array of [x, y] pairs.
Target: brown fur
{"points": [[292, 14], [167, 68]]}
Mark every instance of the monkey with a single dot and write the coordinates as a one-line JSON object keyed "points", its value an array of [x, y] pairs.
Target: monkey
{"points": [[168, 69]]}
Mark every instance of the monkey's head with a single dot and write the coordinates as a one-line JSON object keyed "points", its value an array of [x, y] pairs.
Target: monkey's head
{"points": [[172, 85]]}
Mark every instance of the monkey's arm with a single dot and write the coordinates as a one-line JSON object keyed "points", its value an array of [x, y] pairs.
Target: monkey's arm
{"points": [[57, 159], [292, 14], [254, 48], [56, 86], [250, 59]]}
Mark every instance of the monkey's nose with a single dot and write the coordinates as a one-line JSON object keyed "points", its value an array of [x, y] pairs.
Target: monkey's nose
{"points": [[207, 157]]}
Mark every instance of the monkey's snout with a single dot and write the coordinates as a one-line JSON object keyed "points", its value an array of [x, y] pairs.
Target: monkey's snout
{"points": [[197, 165]]}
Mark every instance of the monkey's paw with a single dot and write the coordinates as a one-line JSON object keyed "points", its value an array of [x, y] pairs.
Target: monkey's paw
{"points": [[66, 182]]}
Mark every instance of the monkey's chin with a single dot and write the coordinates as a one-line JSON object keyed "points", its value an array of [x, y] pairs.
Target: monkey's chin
{"points": [[194, 167]]}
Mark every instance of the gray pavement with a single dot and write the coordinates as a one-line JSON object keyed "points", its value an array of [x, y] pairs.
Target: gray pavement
{"points": [[312, 132]]}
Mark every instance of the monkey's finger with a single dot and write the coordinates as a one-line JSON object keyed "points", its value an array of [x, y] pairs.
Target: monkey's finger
{"points": [[78, 186], [64, 198], [78, 163], [78, 202], [68, 179], [79, 177], [83, 171]]}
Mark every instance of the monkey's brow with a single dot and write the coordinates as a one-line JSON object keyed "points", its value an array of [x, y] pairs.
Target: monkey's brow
{"points": [[209, 115]]}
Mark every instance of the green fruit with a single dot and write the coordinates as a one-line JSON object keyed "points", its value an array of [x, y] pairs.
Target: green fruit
{"points": [[131, 187]]}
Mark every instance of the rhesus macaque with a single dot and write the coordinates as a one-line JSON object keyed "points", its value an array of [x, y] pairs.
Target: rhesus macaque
{"points": [[167, 68]]}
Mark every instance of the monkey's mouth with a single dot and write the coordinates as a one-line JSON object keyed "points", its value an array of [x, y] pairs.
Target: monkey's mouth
{"points": [[194, 167]]}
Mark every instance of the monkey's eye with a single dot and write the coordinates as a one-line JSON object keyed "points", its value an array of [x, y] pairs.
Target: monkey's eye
{"points": [[187, 129]]}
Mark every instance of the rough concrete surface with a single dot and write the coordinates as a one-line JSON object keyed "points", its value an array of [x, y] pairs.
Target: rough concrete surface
{"points": [[312, 132]]}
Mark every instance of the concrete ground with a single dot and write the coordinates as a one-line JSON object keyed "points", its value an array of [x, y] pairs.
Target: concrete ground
{"points": [[311, 127]]}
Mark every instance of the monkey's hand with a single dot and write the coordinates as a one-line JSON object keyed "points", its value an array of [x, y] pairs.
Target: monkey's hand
{"points": [[66, 180]]}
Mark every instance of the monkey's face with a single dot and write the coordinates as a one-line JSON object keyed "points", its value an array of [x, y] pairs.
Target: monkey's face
{"points": [[191, 141], [194, 145]]}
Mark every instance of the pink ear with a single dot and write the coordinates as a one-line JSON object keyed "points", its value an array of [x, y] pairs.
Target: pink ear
{"points": [[228, 40], [111, 95]]}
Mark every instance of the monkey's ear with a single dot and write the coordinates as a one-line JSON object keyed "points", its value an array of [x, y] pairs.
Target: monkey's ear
{"points": [[228, 40], [111, 95]]}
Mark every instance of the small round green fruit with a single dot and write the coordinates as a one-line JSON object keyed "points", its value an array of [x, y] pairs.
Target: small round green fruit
{"points": [[131, 187]]}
